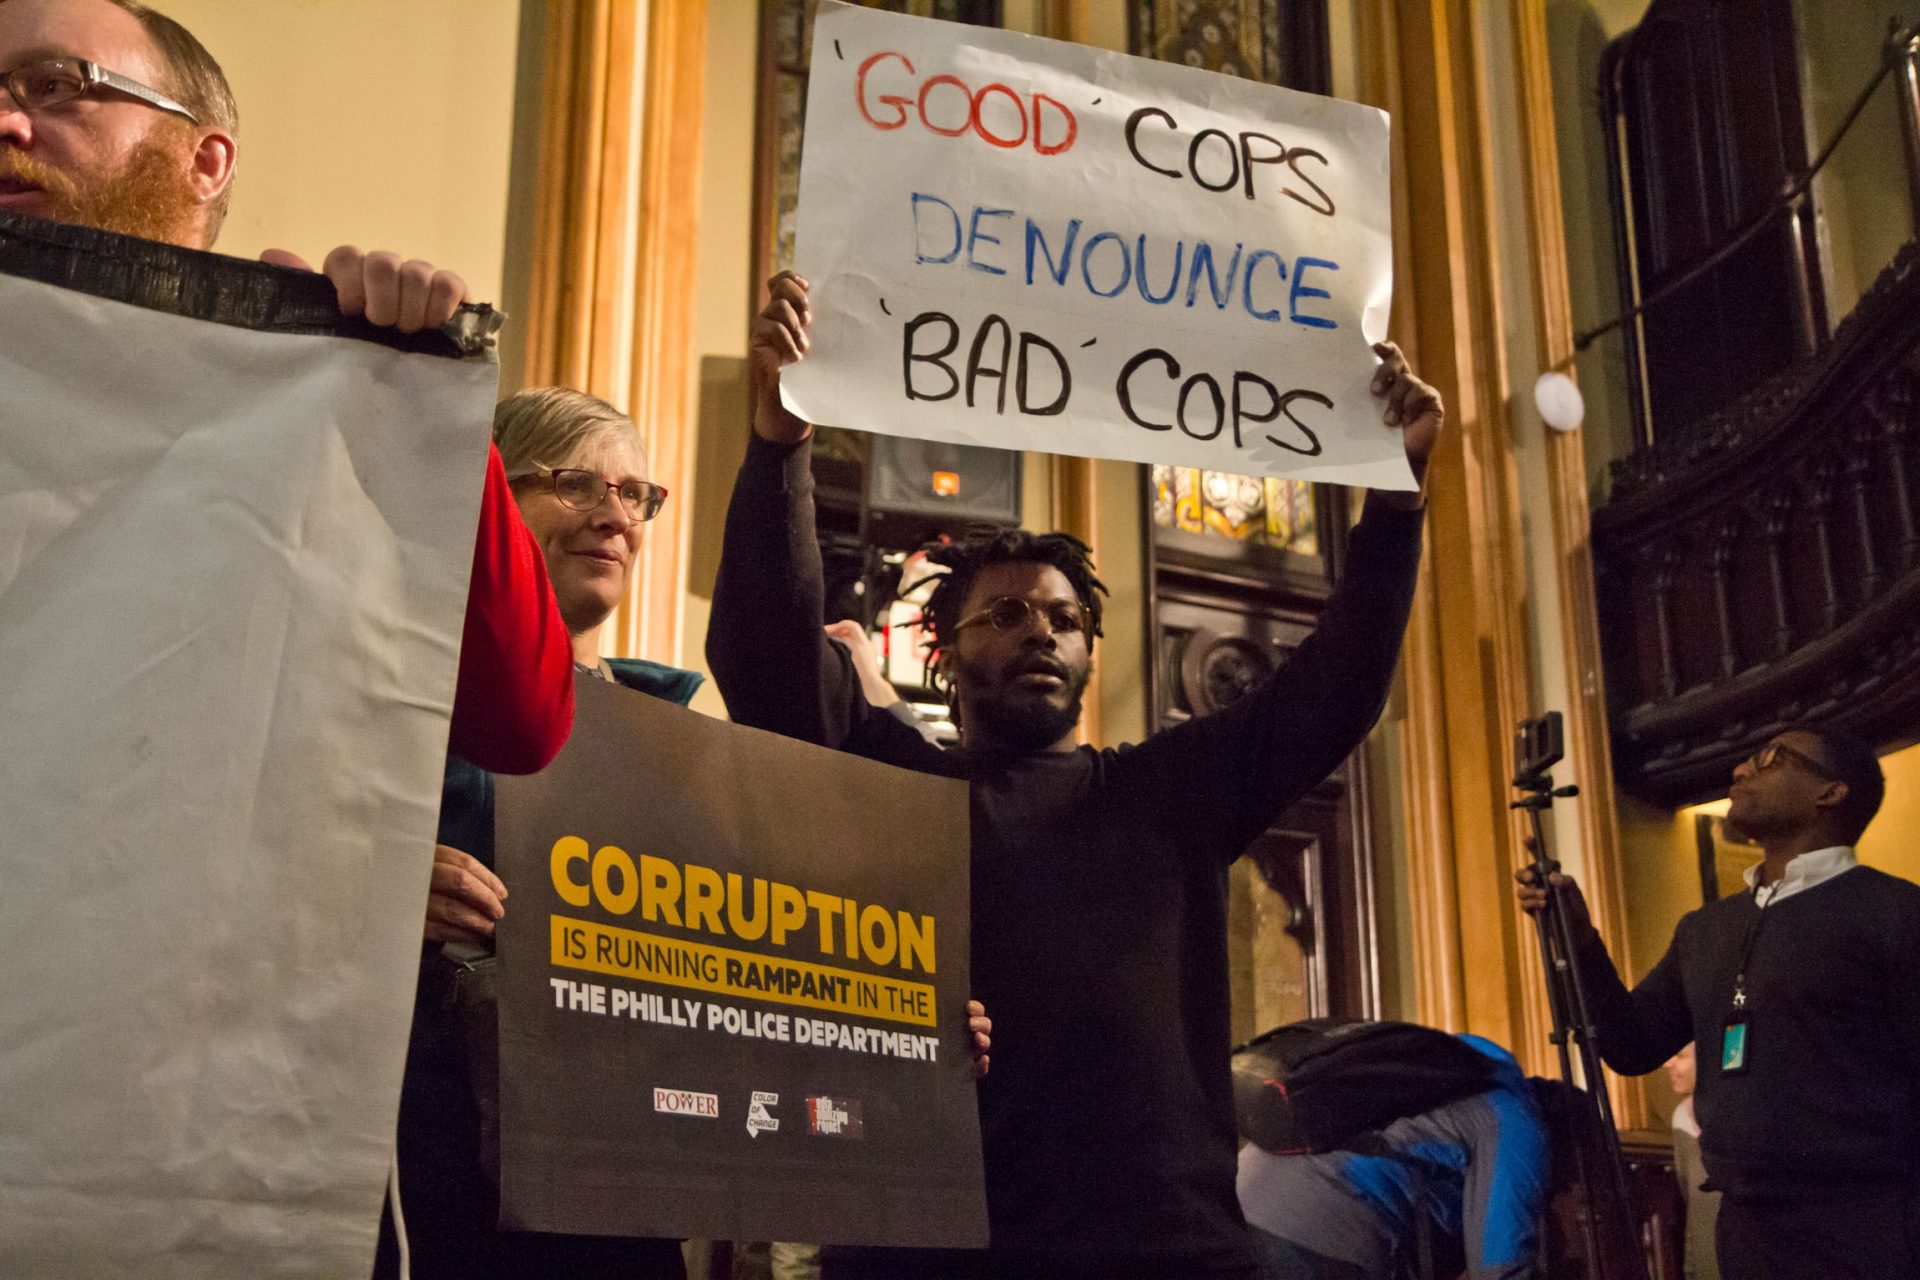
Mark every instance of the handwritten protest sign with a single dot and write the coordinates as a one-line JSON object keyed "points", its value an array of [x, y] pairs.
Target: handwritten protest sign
{"points": [[733, 988], [1035, 245]]}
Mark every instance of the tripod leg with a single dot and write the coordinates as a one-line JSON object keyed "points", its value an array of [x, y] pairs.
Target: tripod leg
{"points": [[1581, 1025], [1608, 1193]]}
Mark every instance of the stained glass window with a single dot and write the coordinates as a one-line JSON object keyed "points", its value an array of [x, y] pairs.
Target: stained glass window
{"points": [[1279, 41], [1263, 511], [1234, 37]]}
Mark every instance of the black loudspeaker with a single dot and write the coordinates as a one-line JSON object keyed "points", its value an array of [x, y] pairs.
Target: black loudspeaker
{"points": [[917, 489]]}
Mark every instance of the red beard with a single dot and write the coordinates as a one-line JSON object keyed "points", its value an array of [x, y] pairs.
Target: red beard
{"points": [[148, 196]]}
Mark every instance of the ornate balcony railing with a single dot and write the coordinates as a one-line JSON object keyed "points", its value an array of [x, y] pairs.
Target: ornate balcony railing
{"points": [[1765, 568]]}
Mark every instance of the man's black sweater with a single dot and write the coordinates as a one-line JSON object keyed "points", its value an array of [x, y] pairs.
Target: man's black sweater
{"points": [[1830, 1098], [1098, 891]]}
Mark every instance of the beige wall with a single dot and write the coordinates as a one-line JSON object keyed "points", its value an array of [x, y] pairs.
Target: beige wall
{"points": [[1889, 843], [523, 202], [726, 179], [386, 125], [1865, 211], [1660, 869]]}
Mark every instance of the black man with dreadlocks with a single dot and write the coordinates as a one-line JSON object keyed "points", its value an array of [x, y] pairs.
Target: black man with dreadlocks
{"points": [[1017, 696], [1098, 876]]}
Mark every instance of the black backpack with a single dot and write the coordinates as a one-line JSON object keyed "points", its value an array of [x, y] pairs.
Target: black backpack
{"points": [[1318, 1085]]}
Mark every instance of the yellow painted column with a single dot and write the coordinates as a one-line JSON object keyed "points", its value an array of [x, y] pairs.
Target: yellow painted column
{"points": [[613, 263], [1467, 654]]}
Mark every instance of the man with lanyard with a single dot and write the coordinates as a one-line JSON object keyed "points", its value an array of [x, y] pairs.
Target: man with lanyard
{"points": [[1800, 997]]}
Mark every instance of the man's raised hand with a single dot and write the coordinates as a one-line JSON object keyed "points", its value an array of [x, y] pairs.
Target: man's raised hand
{"points": [[405, 295], [1412, 406], [781, 335]]}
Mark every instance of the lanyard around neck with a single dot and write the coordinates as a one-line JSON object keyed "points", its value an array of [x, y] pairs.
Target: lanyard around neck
{"points": [[1747, 945]]}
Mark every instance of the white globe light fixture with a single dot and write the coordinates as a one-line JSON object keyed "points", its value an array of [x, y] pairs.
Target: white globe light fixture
{"points": [[1559, 400]]}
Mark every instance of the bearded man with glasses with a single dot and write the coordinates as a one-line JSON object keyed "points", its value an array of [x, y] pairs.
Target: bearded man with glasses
{"points": [[113, 116], [1800, 998], [1099, 876]]}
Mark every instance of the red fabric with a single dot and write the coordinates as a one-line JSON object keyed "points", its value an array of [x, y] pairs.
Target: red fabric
{"points": [[513, 707]]}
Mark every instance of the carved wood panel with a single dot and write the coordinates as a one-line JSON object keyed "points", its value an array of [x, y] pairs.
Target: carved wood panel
{"points": [[1216, 638], [1278, 41]]}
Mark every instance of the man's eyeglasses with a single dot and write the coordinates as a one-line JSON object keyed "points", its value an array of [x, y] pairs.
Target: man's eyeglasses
{"points": [[52, 81], [585, 490], [1014, 613], [1774, 752]]}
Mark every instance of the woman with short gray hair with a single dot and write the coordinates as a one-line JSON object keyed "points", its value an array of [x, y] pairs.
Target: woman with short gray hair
{"points": [[577, 469]]}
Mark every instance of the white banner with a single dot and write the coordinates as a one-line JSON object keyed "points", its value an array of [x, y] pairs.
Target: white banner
{"points": [[233, 569], [1036, 245]]}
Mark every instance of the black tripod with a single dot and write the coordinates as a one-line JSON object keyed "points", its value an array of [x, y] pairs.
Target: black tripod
{"points": [[1538, 746]]}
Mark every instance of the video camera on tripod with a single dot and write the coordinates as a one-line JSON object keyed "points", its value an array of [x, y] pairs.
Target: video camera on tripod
{"points": [[1538, 745]]}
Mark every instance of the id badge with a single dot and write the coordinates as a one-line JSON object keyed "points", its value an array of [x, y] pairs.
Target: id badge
{"points": [[1733, 1046]]}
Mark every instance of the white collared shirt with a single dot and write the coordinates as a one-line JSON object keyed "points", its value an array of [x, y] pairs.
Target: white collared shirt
{"points": [[1683, 1117], [1816, 866]]}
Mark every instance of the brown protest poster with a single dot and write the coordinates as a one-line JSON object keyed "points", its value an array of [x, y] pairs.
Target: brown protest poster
{"points": [[733, 989]]}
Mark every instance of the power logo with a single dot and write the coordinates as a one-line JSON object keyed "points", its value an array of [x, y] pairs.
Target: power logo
{"points": [[681, 1102]]}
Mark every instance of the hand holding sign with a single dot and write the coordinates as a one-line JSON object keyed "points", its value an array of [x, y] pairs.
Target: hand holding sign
{"points": [[464, 900], [781, 336], [409, 296], [979, 1037], [1415, 407]]}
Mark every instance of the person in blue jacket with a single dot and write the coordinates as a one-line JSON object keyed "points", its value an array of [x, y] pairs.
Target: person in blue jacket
{"points": [[1471, 1175]]}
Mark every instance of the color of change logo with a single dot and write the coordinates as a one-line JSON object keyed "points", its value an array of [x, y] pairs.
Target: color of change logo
{"points": [[758, 1118]]}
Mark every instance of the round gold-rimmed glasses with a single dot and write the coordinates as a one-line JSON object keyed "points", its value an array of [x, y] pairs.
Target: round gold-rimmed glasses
{"points": [[1015, 613]]}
